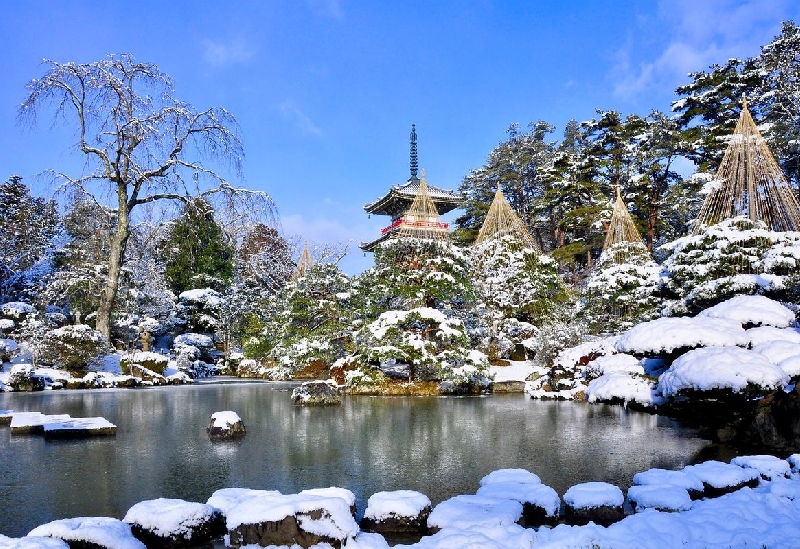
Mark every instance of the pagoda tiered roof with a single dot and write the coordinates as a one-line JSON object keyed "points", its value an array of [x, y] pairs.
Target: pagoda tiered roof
{"points": [[399, 198]]}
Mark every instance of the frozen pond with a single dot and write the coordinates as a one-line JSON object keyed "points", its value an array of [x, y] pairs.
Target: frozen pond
{"points": [[440, 446]]}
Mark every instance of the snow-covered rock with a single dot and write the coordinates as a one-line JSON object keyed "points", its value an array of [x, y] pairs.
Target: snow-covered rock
{"points": [[753, 310], [522, 476], [667, 335], [662, 498], [225, 425], [314, 393], [664, 477], [721, 368], [721, 478], [334, 492], [167, 523], [598, 502], [769, 467], [103, 532], [623, 386], [32, 543], [765, 334], [398, 511], [226, 499], [540, 503], [466, 512]]}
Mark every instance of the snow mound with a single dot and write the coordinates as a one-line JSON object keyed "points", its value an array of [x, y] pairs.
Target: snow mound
{"points": [[467, 512], [776, 351], [662, 498], [623, 386], [31, 543], [614, 363], [756, 310], [667, 334], [570, 357], [402, 503], [720, 368], [540, 495], [226, 499], [170, 517], [522, 476], [589, 495], [763, 334], [769, 467], [102, 531]]}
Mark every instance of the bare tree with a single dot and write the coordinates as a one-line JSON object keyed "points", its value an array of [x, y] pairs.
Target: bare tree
{"points": [[141, 144]]}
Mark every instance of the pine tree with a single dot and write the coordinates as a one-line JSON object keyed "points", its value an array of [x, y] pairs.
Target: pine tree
{"points": [[196, 251]]}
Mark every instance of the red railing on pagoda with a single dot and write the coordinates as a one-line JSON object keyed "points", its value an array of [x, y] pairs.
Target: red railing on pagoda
{"points": [[422, 224]]}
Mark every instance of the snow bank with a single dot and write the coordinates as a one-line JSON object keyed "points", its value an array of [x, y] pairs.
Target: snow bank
{"points": [[103, 531], [170, 517], [667, 334], [31, 543], [466, 512], [403, 503], [522, 476], [589, 495], [751, 309], [720, 368]]}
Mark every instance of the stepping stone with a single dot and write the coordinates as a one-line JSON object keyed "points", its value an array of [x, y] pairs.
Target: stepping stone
{"points": [[91, 532], [598, 502], [723, 478], [32, 423], [397, 512], [79, 427], [540, 503], [172, 523], [661, 498]]}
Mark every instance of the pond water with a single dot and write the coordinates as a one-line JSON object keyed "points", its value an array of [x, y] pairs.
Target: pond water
{"points": [[441, 446]]}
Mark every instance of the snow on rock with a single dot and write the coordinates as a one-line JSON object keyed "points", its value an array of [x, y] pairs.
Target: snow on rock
{"points": [[201, 341], [755, 310], [32, 543], [406, 503], [746, 518], [33, 422], [226, 424], [467, 512], [332, 492], [665, 335], [664, 477], [317, 393], [522, 476], [764, 334], [720, 478], [769, 467], [778, 350], [279, 519], [789, 490], [614, 363], [662, 498], [226, 499], [206, 296], [720, 368], [593, 494], [105, 532], [794, 463], [162, 521], [623, 386], [78, 427], [585, 352], [540, 502], [16, 309]]}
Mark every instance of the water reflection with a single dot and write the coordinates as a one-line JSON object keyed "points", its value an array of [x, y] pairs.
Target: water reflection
{"points": [[439, 446]]}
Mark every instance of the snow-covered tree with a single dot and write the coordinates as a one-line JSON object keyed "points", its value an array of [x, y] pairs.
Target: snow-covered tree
{"points": [[142, 145], [736, 256], [27, 227]]}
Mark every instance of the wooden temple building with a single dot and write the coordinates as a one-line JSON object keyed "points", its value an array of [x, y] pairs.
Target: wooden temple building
{"points": [[414, 207]]}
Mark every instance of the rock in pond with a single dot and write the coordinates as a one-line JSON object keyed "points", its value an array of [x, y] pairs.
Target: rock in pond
{"points": [[225, 425], [598, 502], [90, 533], [316, 393], [172, 523], [723, 478], [397, 512]]}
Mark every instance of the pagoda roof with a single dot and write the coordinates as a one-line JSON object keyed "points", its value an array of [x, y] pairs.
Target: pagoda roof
{"points": [[397, 200]]}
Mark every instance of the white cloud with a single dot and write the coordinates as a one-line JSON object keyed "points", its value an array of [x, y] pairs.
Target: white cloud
{"points": [[331, 9], [697, 34], [301, 120], [221, 54]]}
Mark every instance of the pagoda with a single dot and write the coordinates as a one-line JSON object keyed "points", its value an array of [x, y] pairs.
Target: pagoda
{"points": [[414, 207]]}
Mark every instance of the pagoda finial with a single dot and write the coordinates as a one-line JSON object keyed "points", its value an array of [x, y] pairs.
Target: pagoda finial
{"points": [[413, 152]]}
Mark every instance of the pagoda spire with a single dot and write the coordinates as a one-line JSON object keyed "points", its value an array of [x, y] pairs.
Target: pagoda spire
{"points": [[414, 164], [305, 262], [750, 183]]}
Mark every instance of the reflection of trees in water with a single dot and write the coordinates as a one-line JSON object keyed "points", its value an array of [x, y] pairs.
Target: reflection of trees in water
{"points": [[439, 446]]}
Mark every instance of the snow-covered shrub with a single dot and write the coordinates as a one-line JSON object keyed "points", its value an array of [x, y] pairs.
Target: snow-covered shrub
{"points": [[201, 309], [153, 362], [560, 332], [751, 310], [669, 337], [193, 346], [736, 256], [618, 295], [8, 350], [74, 348], [517, 281], [23, 378]]}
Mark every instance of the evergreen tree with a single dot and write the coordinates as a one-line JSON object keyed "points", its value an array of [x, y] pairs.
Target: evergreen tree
{"points": [[27, 228], [196, 251]]}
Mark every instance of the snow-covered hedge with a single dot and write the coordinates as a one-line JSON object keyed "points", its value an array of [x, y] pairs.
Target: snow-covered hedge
{"points": [[75, 347]]}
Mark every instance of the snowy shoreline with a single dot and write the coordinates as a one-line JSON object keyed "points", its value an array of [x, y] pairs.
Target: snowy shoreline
{"points": [[752, 501]]}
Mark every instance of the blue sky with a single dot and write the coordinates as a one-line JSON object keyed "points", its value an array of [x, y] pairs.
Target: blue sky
{"points": [[326, 90]]}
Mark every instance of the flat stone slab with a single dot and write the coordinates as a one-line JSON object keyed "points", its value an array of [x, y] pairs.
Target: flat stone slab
{"points": [[5, 417], [32, 423], [79, 427]]}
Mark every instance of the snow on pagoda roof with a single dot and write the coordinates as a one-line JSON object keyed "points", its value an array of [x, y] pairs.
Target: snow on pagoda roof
{"points": [[400, 196]]}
